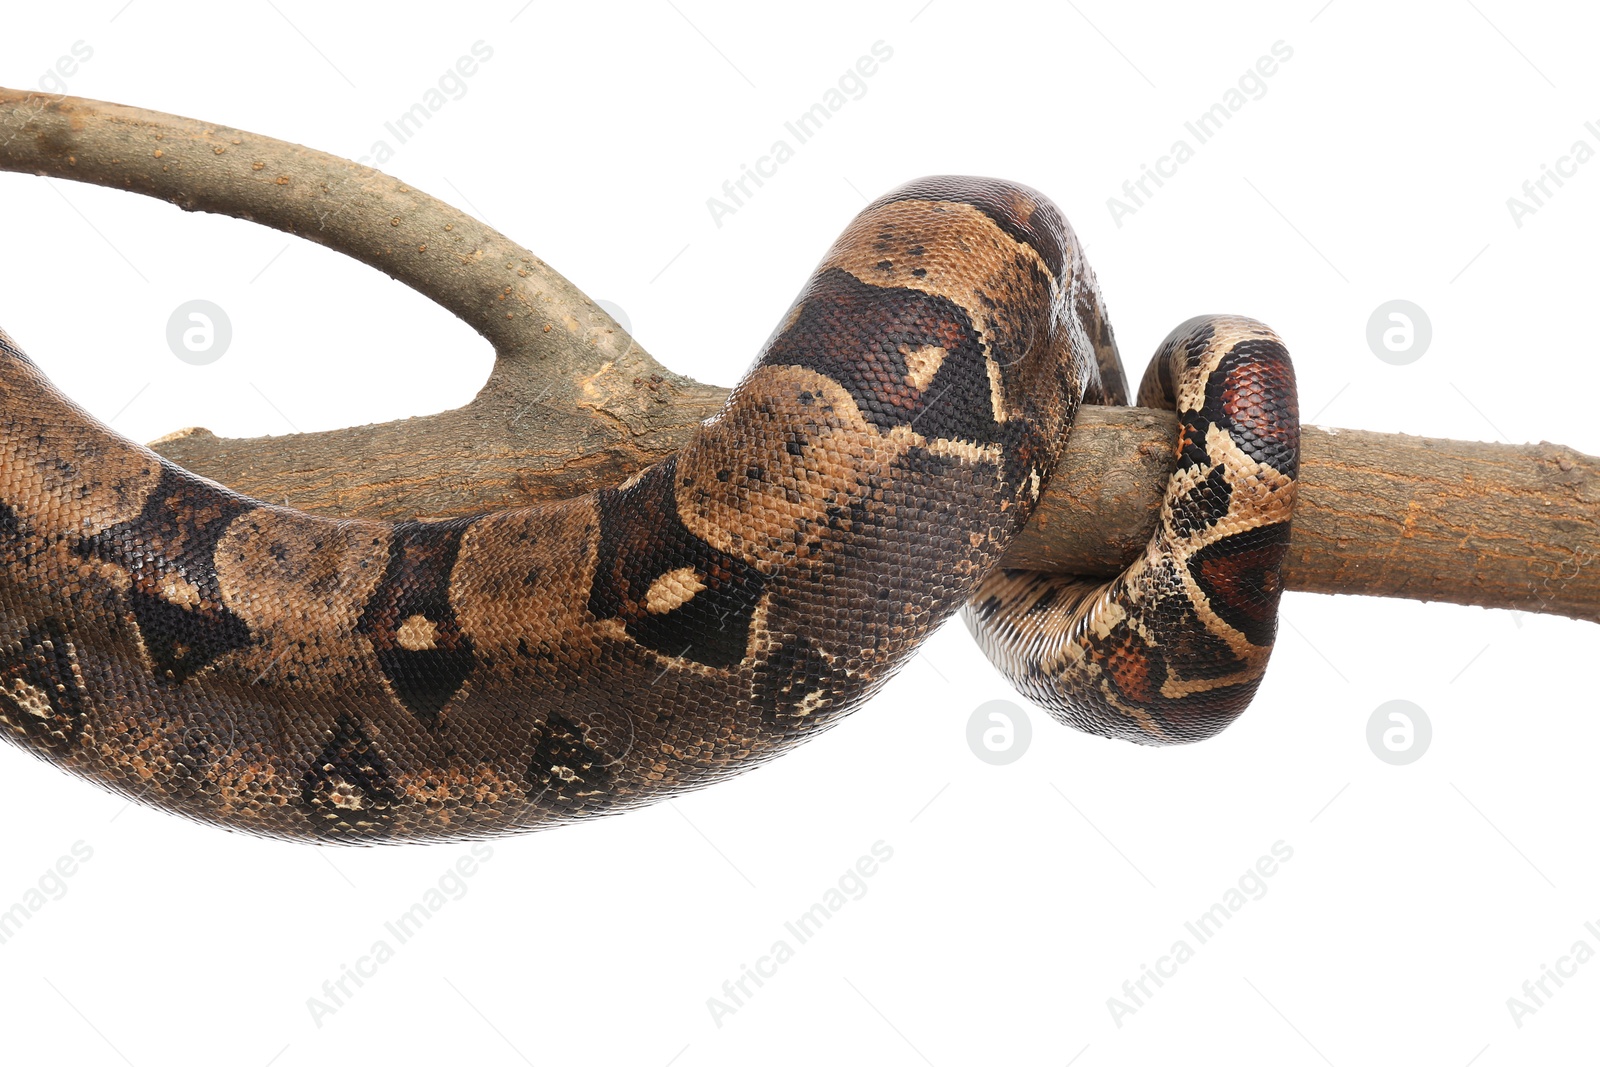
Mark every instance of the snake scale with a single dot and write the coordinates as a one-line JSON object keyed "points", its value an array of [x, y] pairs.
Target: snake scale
{"points": [[265, 670]]}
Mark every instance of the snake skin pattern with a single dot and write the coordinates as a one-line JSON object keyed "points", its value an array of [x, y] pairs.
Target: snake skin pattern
{"points": [[261, 669]]}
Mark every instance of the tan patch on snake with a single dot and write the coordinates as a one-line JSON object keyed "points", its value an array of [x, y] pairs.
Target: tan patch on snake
{"points": [[180, 591], [673, 590], [417, 633], [962, 252], [300, 583], [529, 601], [922, 364], [30, 698], [761, 479], [997, 388], [948, 447], [53, 452]]}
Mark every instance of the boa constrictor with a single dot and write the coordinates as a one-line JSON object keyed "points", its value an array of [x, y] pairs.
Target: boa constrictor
{"points": [[266, 670]]}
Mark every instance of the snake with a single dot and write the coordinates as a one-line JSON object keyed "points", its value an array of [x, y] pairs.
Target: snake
{"points": [[264, 670]]}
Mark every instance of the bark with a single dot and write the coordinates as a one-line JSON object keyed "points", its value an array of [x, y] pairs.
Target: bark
{"points": [[574, 403]]}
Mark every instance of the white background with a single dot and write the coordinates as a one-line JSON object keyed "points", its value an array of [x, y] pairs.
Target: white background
{"points": [[1020, 898]]}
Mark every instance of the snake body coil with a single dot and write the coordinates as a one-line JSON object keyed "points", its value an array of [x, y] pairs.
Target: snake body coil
{"points": [[266, 670]]}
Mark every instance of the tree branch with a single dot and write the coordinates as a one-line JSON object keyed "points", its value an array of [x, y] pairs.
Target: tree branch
{"points": [[1380, 514], [574, 404], [573, 400]]}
